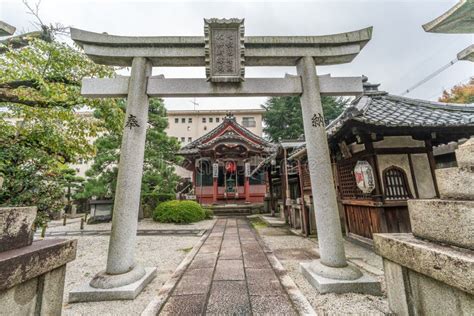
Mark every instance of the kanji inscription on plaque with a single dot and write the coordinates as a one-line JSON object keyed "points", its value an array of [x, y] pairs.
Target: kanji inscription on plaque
{"points": [[224, 49]]}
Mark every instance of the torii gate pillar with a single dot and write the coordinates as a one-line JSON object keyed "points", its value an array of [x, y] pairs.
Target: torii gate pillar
{"points": [[331, 273]]}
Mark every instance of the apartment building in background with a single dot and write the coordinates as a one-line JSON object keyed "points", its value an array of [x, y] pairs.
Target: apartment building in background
{"points": [[189, 125]]}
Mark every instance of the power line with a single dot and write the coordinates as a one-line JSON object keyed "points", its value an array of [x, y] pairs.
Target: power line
{"points": [[431, 76]]}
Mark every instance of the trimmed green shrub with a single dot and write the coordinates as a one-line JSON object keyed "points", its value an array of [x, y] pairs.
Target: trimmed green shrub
{"points": [[208, 213], [178, 212], [151, 200]]}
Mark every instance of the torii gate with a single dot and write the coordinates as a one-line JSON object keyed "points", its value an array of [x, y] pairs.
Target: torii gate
{"points": [[225, 53]]}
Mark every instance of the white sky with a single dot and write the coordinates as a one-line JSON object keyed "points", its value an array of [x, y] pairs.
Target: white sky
{"points": [[398, 56]]}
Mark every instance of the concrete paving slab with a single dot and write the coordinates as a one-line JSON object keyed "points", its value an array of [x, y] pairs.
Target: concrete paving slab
{"points": [[196, 281], [256, 260], [209, 248], [272, 305], [204, 260], [263, 282], [229, 270], [230, 253], [252, 248], [228, 298], [185, 305]]}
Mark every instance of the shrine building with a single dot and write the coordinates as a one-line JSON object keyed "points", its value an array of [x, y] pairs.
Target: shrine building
{"points": [[226, 164]]}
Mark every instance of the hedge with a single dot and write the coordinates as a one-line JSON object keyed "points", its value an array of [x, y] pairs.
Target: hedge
{"points": [[179, 212]]}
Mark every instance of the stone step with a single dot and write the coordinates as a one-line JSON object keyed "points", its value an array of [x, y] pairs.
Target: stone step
{"points": [[232, 215], [455, 183], [446, 221], [232, 210]]}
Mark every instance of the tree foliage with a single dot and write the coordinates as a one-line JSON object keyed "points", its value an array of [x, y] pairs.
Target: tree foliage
{"points": [[158, 171], [462, 93], [40, 130], [283, 118]]}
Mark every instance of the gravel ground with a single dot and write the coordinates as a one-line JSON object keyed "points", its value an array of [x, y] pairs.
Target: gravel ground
{"points": [[163, 252], [327, 304], [74, 224]]}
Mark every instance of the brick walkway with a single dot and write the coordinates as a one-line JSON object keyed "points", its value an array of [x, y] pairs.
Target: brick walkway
{"points": [[230, 274]]}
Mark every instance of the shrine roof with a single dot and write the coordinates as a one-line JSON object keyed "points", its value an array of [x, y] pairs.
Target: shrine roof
{"points": [[396, 115], [221, 134], [383, 109]]}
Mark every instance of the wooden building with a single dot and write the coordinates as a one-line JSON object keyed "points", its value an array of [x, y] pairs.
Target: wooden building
{"points": [[382, 153], [226, 164]]}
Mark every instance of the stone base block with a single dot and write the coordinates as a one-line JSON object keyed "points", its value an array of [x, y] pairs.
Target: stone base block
{"points": [[365, 284], [450, 265], [445, 221], [455, 183], [87, 293]]}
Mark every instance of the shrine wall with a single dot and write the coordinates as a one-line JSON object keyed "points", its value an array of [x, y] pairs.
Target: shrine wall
{"points": [[398, 141], [424, 178]]}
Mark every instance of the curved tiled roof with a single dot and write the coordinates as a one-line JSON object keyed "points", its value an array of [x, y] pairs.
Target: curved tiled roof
{"points": [[394, 111], [229, 121], [379, 108]]}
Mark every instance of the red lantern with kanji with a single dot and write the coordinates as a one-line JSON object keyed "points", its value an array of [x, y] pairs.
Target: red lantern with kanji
{"points": [[230, 166]]}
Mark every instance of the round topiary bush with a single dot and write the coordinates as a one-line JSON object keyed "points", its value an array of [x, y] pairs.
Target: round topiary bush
{"points": [[178, 212]]}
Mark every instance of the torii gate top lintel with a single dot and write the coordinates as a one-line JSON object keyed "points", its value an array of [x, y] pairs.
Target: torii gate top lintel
{"points": [[189, 51]]}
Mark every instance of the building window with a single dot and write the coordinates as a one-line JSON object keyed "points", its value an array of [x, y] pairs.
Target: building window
{"points": [[204, 120], [205, 128], [396, 184], [190, 120], [217, 120], [249, 121], [183, 120], [210, 120], [176, 120], [190, 139], [183, 139]]}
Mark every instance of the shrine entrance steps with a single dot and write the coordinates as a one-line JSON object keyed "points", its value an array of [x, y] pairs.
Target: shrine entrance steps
{"points": [[232, 273], [235, 210]]}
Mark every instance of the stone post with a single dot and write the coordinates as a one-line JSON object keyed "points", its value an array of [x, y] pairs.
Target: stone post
{"points": [[322, 183], [127, 197], [331, 273], [122, 273]]}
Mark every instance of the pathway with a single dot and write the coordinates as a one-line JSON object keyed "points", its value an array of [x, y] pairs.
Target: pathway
{"points": [[230, 274]]}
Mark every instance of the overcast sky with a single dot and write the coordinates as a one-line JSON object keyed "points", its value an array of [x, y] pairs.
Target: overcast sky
{"points": [[398, 56]]}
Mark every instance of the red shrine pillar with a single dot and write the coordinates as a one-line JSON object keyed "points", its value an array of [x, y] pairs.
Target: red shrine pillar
{"points": [[247, 182], [215, 175]]}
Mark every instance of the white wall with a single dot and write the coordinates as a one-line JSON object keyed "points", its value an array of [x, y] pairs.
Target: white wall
{"points": [[423, 176], [197, 128]]}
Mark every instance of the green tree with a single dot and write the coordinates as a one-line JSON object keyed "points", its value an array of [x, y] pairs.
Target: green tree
{"points": [[462, 93], [160, 154], [283, 118], [40, 129]]}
